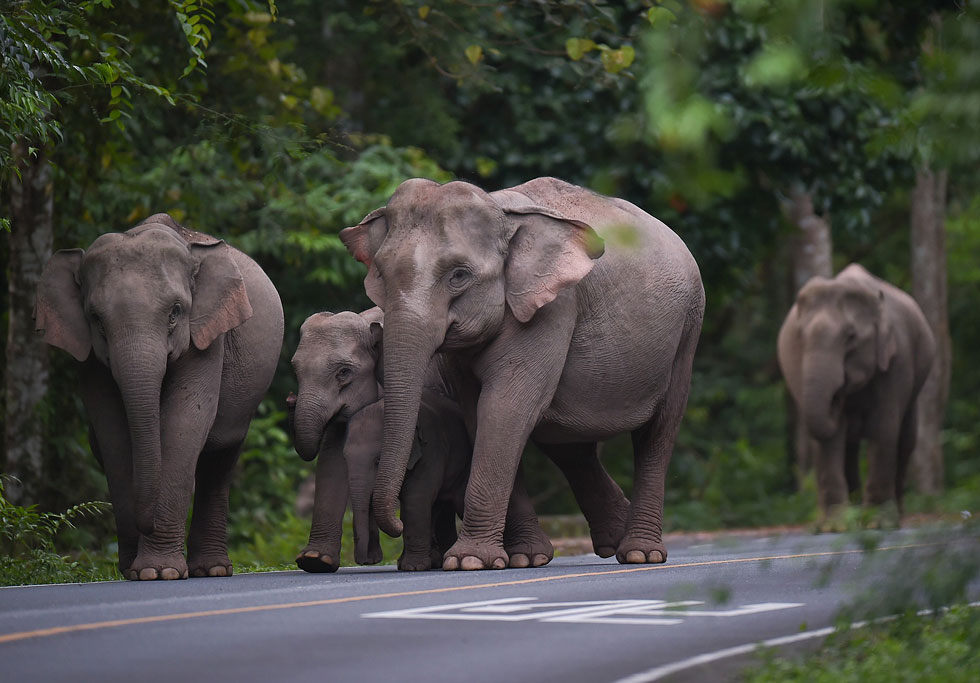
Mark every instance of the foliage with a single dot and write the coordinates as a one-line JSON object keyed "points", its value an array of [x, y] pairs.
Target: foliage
{"points": [[27, 545], [941, 647]]}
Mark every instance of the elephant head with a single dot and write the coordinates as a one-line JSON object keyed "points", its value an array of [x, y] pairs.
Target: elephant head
{"points": [[336, 365], [137, 301], [451, 265], [845, 337]]}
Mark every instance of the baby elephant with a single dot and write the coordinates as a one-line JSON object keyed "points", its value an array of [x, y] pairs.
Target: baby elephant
{"points": [[338, 414], [855, 351], [177, 336]]}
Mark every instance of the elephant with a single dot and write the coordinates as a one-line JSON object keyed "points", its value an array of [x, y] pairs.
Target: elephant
{"points": [[177, 335], [566, 317], [855, 351], [338, 416]]}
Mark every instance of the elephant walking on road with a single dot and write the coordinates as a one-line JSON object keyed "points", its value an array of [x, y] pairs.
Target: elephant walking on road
{"points": [[178, 336], [855, 351], [337, 417], [548, 334]]}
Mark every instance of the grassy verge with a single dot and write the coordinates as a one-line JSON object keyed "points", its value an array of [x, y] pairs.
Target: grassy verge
{"points": [[911, 648]]}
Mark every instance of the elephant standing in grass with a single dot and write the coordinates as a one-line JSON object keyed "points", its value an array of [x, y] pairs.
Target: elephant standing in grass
{"points": [[178, 336], [855, 351], [337, 416], [547, 334]]}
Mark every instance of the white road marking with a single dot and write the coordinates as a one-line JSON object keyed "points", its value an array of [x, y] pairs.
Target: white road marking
{"points": [[626, 612]]}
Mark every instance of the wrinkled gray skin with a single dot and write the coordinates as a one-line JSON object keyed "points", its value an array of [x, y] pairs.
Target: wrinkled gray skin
{"points": [[855, 352], [435, 482], [548, 336], [338, 416], [178, 335]]}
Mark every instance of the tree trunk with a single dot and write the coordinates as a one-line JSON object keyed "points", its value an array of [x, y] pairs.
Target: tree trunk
{"points": [[26, 380], [928, 266], [811, 247]]}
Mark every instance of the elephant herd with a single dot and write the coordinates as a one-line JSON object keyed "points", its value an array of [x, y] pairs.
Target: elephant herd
{"points": [[543, 312]]}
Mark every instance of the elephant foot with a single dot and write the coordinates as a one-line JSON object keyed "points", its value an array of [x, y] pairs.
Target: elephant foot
{"points": [[884, 517], [210, 566], [608, 533], [469, 556], [530, 549], [417, 563], [315, 562], [151, 567], [640, 551]]}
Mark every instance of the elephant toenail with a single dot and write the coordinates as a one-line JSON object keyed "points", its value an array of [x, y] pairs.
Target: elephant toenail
{"points": [[499, 563], [169, 574], [636, 557], [519, 561], [656, 557], [218, 571], [311, 553], [450, 564], [471, 563], [541, 560], [148, 574]]}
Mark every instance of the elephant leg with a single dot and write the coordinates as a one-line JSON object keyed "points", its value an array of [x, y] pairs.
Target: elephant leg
{"points": [[524, 541], [501, 435], [831, 479], [188, 405], [444, 532], [322, 553], [109, 438], [416, 514], [906, 445], [600, 498], [207, 544], [852, 450], [653, 444]]}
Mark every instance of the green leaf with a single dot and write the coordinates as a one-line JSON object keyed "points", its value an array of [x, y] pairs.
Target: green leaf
{"points": [[577, 47], [474, 53], [660, 16], [115, 91], [424, 12], [615, 61]]}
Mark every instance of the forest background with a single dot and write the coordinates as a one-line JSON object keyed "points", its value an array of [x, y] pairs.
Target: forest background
{"points": [[779, 139]]}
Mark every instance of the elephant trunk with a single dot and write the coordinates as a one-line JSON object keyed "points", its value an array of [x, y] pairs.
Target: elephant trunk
{"points": [[309, 420], [410, 342], [139, 368], [823, 393]]}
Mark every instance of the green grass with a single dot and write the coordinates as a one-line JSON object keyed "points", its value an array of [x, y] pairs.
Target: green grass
{"points": [[911, 648]]}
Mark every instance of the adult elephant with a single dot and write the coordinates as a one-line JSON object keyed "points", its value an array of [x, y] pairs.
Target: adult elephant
{"points": [[178, 336], [855, 352], [549, 337]]}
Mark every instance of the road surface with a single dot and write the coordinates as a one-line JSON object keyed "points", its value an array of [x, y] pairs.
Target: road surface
{"points": [[579, 619]]}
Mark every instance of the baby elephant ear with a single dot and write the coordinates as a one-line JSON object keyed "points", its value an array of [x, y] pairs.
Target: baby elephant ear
{"points": [[363, 241], [220, 299], [59, 318], [548, 252]]}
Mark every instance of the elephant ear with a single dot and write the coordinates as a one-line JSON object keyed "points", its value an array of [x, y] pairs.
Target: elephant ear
{"points": [[887, 344], [220, 299], [547, 253], [363, 241], [59, 315]]}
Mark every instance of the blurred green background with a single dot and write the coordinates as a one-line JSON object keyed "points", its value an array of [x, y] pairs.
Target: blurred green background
{"points": [[277, 125]]}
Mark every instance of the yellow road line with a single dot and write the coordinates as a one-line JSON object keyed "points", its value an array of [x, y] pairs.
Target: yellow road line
{"points": [[93, 626]]}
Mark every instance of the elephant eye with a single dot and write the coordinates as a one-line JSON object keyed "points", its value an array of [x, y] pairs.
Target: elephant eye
{"points": [[174, 314], [344, 374], [459, 277]]}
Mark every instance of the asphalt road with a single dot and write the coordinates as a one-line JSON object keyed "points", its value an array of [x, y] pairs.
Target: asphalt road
{"points": [[579, 619]]}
